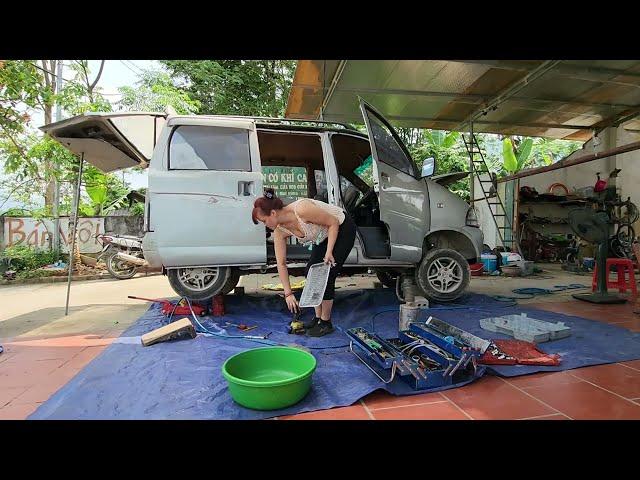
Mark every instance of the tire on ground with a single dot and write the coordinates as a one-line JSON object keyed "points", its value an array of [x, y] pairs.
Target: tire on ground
{"points": [[434, 290]]}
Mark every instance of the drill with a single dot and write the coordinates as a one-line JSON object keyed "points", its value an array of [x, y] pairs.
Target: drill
{"points": [[296, 326]]}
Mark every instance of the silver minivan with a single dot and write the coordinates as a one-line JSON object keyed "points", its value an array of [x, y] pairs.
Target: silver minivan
{"points": [[205, 173]]}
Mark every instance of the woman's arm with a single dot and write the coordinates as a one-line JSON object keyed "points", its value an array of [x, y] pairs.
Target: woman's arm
{"points": [[309, 212], [280, 246]]}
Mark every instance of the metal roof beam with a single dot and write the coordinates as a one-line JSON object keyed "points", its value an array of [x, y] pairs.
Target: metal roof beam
{"points": [[332, 86], [572, 162], [576, 72], [477, 98], [564, 68], [511, 90], [479, 122]]}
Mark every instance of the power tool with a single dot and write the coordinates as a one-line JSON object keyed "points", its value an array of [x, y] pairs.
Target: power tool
{"points": [[296, 326]]}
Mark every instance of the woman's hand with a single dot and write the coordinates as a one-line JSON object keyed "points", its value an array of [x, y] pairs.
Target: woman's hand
{"points": [[292, 304], [328, 258]]}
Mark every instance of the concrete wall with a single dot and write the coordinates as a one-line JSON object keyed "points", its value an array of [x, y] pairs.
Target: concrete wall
{"points": [[124, 225], [35, 233], [583, 175]]}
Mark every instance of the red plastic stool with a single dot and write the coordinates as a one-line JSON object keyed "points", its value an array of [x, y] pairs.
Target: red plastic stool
{"points": [[623, 265]]}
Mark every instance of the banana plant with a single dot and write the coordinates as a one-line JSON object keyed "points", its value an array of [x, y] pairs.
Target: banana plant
{"points": [[102, 203], [514, 159]]}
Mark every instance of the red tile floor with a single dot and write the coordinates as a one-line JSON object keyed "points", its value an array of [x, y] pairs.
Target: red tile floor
{"points": [[31, 371]]}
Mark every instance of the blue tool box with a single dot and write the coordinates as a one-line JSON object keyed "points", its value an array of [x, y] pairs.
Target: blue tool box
{"points": [[427, 355]]}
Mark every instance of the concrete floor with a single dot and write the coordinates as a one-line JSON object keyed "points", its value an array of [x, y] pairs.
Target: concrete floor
{"points": [[44, 349]]}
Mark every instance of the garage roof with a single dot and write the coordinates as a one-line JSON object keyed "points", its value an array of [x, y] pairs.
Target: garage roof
{"points": [[566, 99]]}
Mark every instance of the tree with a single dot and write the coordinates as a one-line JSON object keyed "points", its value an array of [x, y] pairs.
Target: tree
{"points": [[154, 92], [35, 162], [235, 87], [449, 154]]}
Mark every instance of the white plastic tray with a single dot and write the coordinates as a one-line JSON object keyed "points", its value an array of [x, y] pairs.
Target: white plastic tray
{"points": [[315, 285]]}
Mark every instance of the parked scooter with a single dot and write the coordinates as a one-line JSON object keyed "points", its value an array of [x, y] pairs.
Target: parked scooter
{"points": [[122, 254]]}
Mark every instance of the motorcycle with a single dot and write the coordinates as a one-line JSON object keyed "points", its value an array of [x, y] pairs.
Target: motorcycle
{"points": [[122, 254]]}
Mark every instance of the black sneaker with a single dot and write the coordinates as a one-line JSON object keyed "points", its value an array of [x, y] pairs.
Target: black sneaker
{"points": [[320, 329], [311, 323]]}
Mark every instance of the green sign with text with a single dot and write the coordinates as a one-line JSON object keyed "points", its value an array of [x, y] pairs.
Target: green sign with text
{"points": [[290, 182]]}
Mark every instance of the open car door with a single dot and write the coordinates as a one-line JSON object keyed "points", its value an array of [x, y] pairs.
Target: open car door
{"points": [[110, 141], [402, 194]]}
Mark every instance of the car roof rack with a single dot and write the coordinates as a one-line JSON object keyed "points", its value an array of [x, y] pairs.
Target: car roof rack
{"points": [[293, 121]]}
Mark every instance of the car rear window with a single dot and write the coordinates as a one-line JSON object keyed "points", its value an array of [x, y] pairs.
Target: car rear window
{"points": [[196, 147]]}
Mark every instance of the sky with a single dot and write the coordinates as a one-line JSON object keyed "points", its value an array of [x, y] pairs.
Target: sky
{"points": [[116, 73]]}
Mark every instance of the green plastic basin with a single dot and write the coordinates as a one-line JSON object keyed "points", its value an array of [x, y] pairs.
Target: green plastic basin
{"points": [[269, 378]]}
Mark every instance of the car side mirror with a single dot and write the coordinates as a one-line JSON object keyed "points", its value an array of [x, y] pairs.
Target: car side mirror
{"points": [[428, 167]]}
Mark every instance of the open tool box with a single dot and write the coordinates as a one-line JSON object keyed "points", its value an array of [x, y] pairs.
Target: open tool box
{"points": [[426, 355]]}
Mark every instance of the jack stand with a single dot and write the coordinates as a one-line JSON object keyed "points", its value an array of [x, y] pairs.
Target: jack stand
{"points": [[412, 303]]}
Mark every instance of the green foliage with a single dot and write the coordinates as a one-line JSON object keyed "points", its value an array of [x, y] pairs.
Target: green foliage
{"points": [[154, 92], [26, 258], [27, 274], [449, 153], [137, 209], [20, 83], [509, 156], [523, 152], [106, 193], [235, 87], [81, 94]]}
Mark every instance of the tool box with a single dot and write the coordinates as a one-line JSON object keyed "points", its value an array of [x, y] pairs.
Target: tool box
{"points": [[426, 355]]}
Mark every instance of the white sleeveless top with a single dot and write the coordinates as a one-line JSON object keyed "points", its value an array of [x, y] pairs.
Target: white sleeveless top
{"points": [[314, 234]]}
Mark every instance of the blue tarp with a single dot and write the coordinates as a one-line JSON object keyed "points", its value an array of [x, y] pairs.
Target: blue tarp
{"points": [[182, 379]]}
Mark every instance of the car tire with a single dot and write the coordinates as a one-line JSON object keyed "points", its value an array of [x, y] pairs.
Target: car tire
{"points": [[199, 283], [232, 283], [443, 275]]}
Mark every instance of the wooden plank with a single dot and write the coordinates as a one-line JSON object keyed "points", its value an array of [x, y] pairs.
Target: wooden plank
{"points": [[179, 328]]}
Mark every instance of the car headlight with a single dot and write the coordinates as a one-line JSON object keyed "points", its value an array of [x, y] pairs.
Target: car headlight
{"points": [[472, 218]]}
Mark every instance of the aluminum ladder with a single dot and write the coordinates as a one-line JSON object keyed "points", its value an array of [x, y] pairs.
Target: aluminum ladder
{"points": [[490, 194]]}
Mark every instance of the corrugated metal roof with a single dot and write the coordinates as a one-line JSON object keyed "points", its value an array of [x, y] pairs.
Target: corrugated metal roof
{"points": [[556, 99]]}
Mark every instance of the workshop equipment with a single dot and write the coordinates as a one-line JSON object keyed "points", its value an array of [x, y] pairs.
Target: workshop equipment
{"points": [[296, 326], [517, 352], [182, 328], [269, 378], [523, 327], [241, 326], [315, 285], [593, 226], [179, 308], [426, 355], [217, 306]]}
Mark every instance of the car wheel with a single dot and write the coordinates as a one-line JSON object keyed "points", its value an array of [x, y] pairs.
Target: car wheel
{"points": [[443, 275], [234, 278], [199, 283]]}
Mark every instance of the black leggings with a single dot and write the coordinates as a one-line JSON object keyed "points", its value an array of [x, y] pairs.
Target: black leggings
{"points": [[344, 244]]}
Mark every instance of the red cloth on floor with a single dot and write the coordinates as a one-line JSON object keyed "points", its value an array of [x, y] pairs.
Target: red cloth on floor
{"points": [[523, 353]]}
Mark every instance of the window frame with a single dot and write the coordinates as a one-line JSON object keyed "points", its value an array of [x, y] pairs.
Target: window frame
{"points": [[175, 129]]}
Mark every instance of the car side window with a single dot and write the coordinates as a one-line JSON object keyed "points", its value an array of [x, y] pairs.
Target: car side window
{"points": [[387, 147], [195, 147]]}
